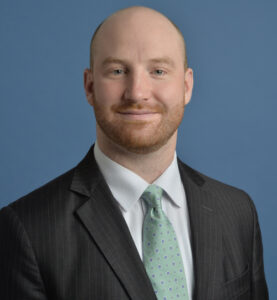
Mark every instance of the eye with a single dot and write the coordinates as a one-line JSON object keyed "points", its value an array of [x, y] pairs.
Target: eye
{"points": [[159, 72], [118, 72]]}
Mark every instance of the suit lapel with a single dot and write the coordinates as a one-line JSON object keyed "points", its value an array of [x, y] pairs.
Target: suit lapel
{"points": [[205, 232], [102, 218]]}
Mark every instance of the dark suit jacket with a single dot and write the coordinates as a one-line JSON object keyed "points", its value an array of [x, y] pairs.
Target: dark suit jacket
{"points": [[68, 240]]}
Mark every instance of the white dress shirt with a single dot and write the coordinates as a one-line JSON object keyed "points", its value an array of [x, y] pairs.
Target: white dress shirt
{"points": [[127, 188]]}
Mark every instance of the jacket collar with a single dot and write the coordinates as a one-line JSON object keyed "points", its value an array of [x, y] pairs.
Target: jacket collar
{"points": [[102, 218]]}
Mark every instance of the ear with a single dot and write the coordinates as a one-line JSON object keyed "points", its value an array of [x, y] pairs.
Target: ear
{"points": [[188, 85], [88, 85]]}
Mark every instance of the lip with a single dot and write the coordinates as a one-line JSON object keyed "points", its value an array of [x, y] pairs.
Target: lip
{"points": [[137, 115], [137, 112]]}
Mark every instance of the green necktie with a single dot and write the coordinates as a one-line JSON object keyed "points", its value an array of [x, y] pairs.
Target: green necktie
{"points": [[161, 253]]}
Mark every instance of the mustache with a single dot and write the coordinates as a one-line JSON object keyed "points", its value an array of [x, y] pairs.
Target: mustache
{"points": [[125, 107]]}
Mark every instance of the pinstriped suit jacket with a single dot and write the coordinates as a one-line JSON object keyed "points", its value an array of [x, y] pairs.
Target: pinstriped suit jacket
{"points": [[68, 240]]}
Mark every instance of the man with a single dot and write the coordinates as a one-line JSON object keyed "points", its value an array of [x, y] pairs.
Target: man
{"points": [[131, 221]]}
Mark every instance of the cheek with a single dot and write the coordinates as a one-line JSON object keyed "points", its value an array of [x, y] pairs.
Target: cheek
{"points": [[107, 91], [171, 94]]}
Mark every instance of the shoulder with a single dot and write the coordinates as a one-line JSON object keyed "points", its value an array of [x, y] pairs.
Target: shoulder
{"points": [[232, 207], [61, 192], [228, 199], [59, 198], [40, 201], [209, 183]]}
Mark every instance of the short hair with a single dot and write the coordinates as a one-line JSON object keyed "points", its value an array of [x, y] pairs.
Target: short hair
{"points": [[92, 42]]}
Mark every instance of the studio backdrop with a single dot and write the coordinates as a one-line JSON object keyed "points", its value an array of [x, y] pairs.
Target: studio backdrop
{"points": [[229, 127]]}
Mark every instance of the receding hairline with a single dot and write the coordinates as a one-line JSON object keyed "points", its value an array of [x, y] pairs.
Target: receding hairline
{"points": [[93, 39]]}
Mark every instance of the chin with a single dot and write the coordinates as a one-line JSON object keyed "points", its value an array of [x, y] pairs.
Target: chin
{"points": [[140, 145], [140, 138]]}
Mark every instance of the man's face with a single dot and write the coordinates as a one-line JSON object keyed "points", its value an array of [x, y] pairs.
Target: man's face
{"points": [[139, 82]]}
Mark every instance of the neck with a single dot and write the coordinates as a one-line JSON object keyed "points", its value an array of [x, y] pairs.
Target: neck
{"points": [[148, 166]]}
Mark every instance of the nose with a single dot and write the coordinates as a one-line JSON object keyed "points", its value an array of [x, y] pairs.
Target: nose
{"points": [[138, 86]]}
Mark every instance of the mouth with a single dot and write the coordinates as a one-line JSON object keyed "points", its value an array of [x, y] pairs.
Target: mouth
{"points": [[137, 114]]}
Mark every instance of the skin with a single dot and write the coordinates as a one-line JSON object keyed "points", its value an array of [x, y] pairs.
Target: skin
{"points": [[138, 88]]}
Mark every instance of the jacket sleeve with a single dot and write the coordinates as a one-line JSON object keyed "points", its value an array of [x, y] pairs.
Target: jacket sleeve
{"points": [[19, 273], [259, 286]]}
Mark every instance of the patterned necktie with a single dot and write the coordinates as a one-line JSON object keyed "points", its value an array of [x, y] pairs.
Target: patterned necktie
{"points": [[161, 254]]}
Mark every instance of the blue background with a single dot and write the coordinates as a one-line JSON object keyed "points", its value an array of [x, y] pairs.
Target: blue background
{"points": [[229, 128]]}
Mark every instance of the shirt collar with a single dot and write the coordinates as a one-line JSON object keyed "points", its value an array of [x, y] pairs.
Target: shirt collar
{"points": [[127, 187], [170, 181]]}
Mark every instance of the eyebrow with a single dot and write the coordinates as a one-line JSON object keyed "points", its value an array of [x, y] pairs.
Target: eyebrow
{"points": [[160, 60], [112, 60], [163, 60]]}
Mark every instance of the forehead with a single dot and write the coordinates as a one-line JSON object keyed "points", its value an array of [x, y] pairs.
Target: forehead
{"points": [[138, 34]]}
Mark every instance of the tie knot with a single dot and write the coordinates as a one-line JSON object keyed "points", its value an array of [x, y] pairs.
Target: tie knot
{"points": [[153, 195]]}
